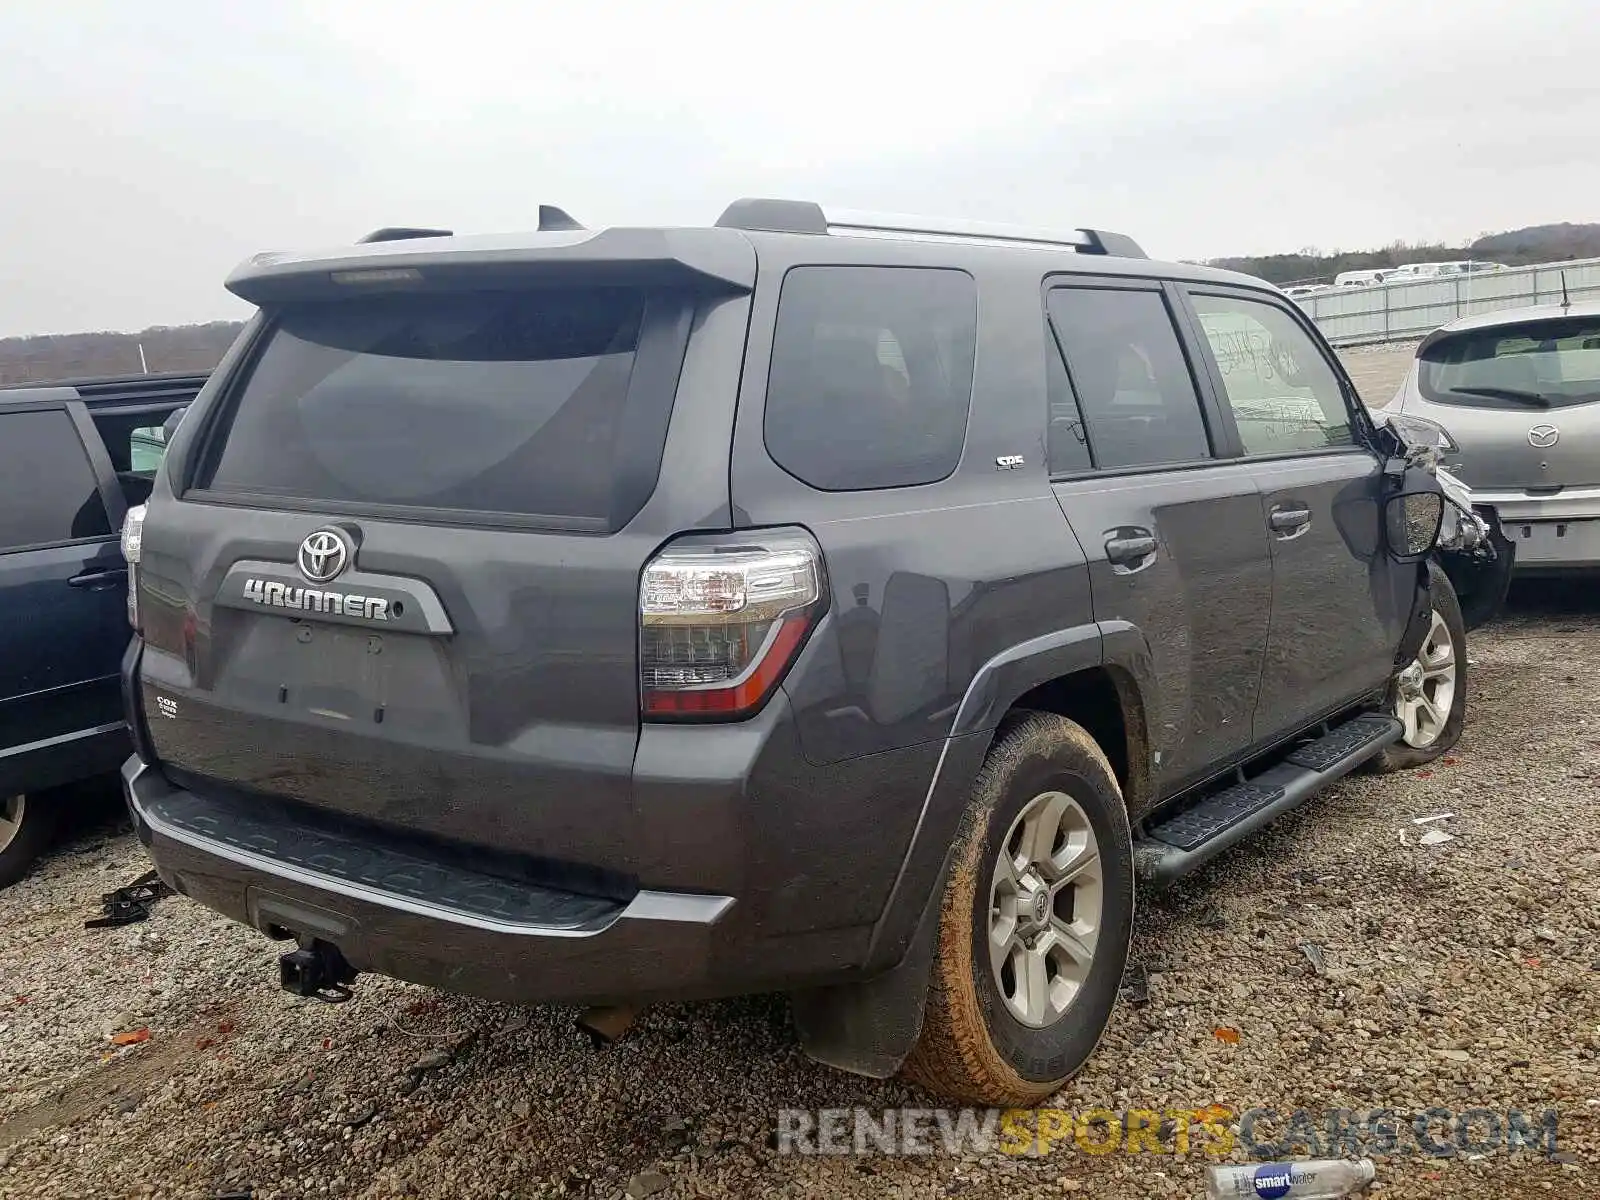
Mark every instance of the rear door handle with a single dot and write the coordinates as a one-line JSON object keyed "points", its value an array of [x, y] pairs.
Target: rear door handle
{"points": [[1130, 548], [1289, 520], [97, 581]]}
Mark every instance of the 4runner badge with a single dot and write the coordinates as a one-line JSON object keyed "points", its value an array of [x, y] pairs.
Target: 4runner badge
{"points": [[269, 593]]}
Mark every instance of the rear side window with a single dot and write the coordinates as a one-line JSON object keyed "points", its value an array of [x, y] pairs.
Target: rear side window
{"points": [[1130, 377], [47, 487], [1284, 395], [506, 402], [1545, 364], [871, 376]]}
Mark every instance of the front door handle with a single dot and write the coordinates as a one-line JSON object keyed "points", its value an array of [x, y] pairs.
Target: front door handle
{"points": [[1131, 548], [97, 581], [1289, 520]]}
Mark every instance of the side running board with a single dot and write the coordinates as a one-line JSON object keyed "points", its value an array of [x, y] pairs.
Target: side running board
{"points": [[1184, 840]]}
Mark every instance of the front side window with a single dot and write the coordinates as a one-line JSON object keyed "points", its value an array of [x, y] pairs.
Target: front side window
{"points": [[1538, 365], [871, 376], [50, 492], [1284, 395], [1131, 380]]}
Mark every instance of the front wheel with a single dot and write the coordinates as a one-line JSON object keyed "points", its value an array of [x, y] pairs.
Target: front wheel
{"points": [[1429, 694], [1035, 923]]}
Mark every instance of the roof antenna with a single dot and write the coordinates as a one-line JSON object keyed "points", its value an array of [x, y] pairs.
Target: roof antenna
{"points": [[1566, 300], [553, 218]]}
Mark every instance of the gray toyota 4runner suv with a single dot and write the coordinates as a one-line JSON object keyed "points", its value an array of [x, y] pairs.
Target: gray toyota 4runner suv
{"points": [[846, 606]]}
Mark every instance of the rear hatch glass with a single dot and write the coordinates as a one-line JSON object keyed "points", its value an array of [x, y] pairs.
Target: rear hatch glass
{"points": [[511, 403], [1540, 365]]}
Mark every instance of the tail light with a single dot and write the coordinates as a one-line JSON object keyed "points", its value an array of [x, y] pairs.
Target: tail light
{"points": [[132, 545], [721, 620]]}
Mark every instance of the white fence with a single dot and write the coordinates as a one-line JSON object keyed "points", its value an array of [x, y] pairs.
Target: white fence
{"points": [[1400, 311]]}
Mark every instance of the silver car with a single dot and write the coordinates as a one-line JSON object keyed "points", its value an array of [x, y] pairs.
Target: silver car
{"points": [[1512, 401]]}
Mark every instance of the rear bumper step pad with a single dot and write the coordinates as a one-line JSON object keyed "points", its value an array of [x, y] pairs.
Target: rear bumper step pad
{"points": [[1183, 841], [366, 862]]}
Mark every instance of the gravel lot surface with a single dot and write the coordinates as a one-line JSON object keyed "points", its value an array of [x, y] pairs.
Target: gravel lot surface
{"points": [[1377, 370], [1463, 974]]}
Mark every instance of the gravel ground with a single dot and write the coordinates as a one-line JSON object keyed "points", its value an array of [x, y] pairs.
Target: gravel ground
{"points": [[1455, 975], [1378, 370]]}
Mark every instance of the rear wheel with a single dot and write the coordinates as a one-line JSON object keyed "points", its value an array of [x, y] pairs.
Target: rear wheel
{"points": [[25, 828], [1429, 694], [1035, 923]]}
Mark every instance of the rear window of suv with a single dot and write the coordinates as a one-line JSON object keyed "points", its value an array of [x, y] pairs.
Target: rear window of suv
{"points": [[1545, 364], [516, 403], [871, 375]]}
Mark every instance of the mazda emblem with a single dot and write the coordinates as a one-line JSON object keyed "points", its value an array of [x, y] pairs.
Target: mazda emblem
{"points": [[1543, 435], [324, 555]]}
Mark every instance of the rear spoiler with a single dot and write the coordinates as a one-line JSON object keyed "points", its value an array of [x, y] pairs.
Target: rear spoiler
{"points": [[716, 259], [1547, 315]]}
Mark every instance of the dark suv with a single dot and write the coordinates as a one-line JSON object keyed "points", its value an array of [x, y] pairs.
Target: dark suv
{"points": [[73, 457], [845, 606]]}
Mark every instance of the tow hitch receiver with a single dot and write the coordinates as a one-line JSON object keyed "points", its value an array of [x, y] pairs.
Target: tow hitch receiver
{"points": [[317, 969]]}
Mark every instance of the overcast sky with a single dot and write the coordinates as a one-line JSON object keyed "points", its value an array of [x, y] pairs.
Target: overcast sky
{"points": [[147, 148]]}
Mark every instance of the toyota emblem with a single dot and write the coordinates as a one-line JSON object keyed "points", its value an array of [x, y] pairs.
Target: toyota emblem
{"points": [[1543, 436], [324, 555]]}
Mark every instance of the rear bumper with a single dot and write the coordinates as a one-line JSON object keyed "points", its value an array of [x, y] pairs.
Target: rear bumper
{"points": [[456, 933], [1554, 545], [1556, 532]]}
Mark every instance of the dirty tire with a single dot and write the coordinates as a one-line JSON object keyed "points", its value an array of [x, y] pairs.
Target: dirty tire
{"points": [[971, 1047], [31, 839], [1400, 757]]}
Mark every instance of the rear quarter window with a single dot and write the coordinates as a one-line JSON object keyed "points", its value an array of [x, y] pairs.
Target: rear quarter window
{"points": [[871, 376], [521, 403]]}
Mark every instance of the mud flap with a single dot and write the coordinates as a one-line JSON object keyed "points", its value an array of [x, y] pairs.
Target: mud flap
{"points": [[869, 1028]]}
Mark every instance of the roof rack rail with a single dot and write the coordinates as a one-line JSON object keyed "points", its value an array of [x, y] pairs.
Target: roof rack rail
{"points": [[803, 216], [402, 233]]}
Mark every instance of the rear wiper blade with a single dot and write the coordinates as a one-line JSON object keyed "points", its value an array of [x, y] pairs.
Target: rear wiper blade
{"points": [[1516, 395]]}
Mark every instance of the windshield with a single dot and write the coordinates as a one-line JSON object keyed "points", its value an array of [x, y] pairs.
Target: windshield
{"points": [[1545, 364]]}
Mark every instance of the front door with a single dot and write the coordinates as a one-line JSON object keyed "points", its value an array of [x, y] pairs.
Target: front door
{"points": [[1174, 536], [1339, 603]]}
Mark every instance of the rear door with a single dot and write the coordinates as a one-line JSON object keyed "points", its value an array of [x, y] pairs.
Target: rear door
{"points": [[1173, 532], [1339, 603], [63, 625], [401, 580]]}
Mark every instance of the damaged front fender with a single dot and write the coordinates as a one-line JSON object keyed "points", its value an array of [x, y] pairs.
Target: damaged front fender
{"points": [[1473, 551]]}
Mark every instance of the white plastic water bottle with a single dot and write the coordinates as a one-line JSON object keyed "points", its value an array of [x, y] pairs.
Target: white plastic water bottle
{"points": [[1318, 1179]]}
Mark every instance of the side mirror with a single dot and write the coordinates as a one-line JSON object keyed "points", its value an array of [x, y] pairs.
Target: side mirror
{"points": [[170, 425], [1411, 524]]}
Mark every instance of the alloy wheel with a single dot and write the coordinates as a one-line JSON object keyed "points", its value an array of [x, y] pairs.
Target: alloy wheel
{"points": [[1045, 899], [12, 811], [1426, 690]]}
